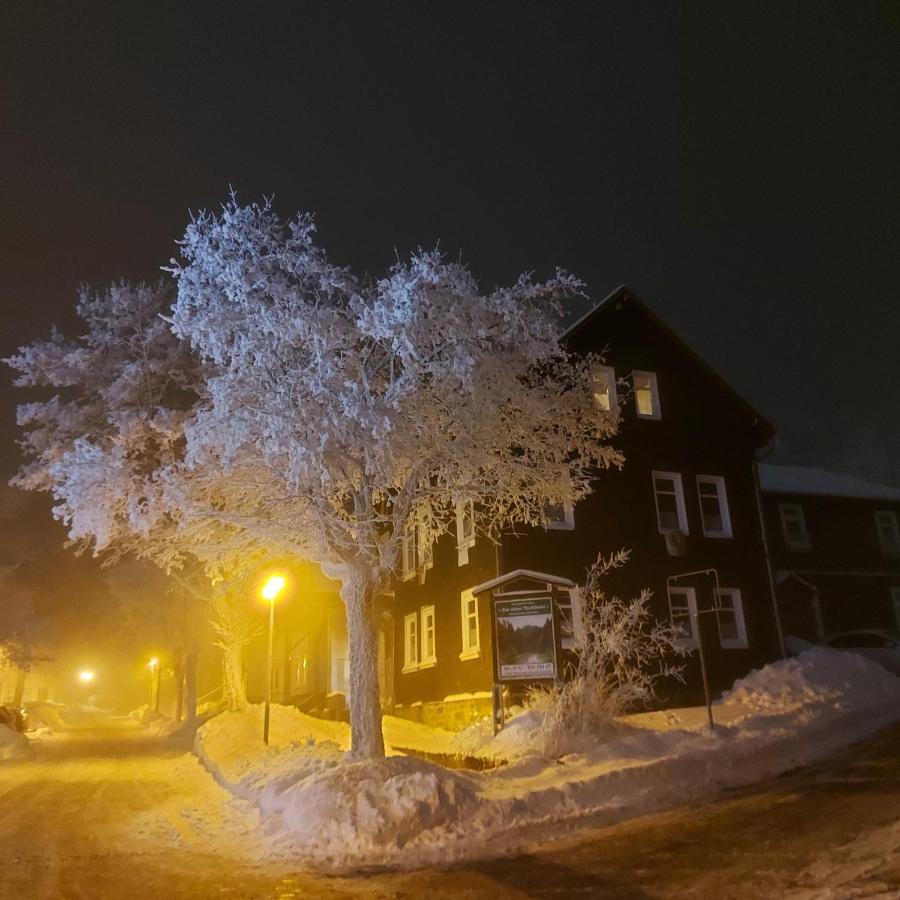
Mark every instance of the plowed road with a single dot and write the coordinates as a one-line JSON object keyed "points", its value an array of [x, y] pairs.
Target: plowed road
{"points": [[107, 812]]}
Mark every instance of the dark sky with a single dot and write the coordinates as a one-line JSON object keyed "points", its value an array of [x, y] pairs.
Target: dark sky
{"points": [[736, 164]]}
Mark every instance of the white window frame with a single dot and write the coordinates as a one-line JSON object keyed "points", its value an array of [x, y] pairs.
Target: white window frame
{"points": [[468, 609], [737, 608], [886, 526], [680, 506], [895, 598], [690, 595], [427, 659], [408, 550], [465, 531], [424, 550], [567, 522], [607, 376], [410, 642], [718, 482], [794, 511], [656, 411]]}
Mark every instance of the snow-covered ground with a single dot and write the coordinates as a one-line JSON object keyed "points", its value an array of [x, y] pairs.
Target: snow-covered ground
{"points": [[318, 807], [13, 744]]}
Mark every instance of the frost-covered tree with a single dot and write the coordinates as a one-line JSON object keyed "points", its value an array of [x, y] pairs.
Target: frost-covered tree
{"points": [[344, 418], [235, 629]]}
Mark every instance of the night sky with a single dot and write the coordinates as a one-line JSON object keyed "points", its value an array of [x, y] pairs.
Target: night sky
{"points": [[737, 164]]}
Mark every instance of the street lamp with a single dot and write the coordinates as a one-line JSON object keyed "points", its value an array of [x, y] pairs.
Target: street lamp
{"points": [[156, 671], [86, 676], [270, 591]]}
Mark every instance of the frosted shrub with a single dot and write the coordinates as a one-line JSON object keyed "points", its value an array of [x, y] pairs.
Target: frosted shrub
{"points": [[622, 652]]}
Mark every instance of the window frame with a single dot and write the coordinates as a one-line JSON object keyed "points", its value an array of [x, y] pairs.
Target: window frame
{"points": [[612, 394], [567, 523], [408, 550], [410, 642], [690, 593], [680, 506], [737, 609], [656, 413], [469, 651], [804, 542], [886, 520], [464, 541], [427, 660], [718, 481]]}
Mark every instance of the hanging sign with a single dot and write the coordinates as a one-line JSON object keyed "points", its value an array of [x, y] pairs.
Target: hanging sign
{"points": [[525, 643]]}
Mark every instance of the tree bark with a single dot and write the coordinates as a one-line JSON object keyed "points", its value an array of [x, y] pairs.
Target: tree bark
{"points": [[233, 675], [21, 675], [178, 671], [358, 594], [190, 684]]}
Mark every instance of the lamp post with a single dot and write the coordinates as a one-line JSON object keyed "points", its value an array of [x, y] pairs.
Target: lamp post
{"points": [[271, 589], [155, 673], [86, 677]]}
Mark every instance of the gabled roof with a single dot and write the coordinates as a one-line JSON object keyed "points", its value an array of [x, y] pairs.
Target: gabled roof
{"points": [[623, 293], [541, 577], [800, 480]]}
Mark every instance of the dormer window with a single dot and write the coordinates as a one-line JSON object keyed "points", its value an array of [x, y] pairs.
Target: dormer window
{"points": [[888, 532], [793, 526], [605, 388], [646, 395]]}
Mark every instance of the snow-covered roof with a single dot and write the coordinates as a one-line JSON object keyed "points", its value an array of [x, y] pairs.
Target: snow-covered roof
{"points": [[542, 577], [800, 480]]}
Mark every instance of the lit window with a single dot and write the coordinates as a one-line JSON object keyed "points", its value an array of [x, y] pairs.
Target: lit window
{"points": [[428, 656], [471, 641], [410, 642], [793, 526], [683, 610], [888, 533], [560, 516], [646, 395], [605, 387], [465, 531], [730, 614], [670, 511], [714, 514], [408, 550]]}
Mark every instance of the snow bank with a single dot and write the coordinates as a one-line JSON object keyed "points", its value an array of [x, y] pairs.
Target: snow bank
{"points": [[325, 809], [13, 744]]}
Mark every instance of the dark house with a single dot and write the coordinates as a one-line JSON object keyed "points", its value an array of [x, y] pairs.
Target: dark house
{"points": [[685, 502], [835, 546]]}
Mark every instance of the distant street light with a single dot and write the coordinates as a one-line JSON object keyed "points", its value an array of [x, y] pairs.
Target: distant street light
{"points": [[156, 671], [270, 591], [86, 677]]}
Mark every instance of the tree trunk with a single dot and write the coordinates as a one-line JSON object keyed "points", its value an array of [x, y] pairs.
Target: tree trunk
{"points": [[233, 675], [21, 675], [190, 684], [358, 594], [178, 671]]}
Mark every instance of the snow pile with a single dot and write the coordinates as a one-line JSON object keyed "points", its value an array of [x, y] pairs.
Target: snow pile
{"points": [[318, 804], [13, 744], [43, 717]]}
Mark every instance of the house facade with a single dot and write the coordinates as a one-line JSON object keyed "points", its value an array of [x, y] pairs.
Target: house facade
{"points": [[686, 505], [835, 545]]}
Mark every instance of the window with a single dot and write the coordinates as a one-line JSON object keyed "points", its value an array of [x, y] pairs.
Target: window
{"points": [[605, 388], [683, 610], [714, 514], [895, 599], [411, 642], [408, 550], [670, 512], [793, 527], [424, 546], [888, 534], [429, 653], [465, 531], [730, 615], [471, 640], [646, 395], [560, 516]]}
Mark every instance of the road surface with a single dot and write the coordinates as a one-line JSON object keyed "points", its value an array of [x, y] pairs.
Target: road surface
{"points": [[106, 811]]}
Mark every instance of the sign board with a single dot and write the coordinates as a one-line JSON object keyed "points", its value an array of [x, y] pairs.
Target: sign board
{"points": [[525, 642]]}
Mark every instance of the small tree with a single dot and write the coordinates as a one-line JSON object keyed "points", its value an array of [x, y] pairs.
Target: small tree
{"points": [[344, 420], [622, 652]]}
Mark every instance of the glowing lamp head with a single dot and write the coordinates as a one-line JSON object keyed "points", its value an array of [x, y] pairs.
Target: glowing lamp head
{"points": [[86, 677], [154, 662], [273, 587]]}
